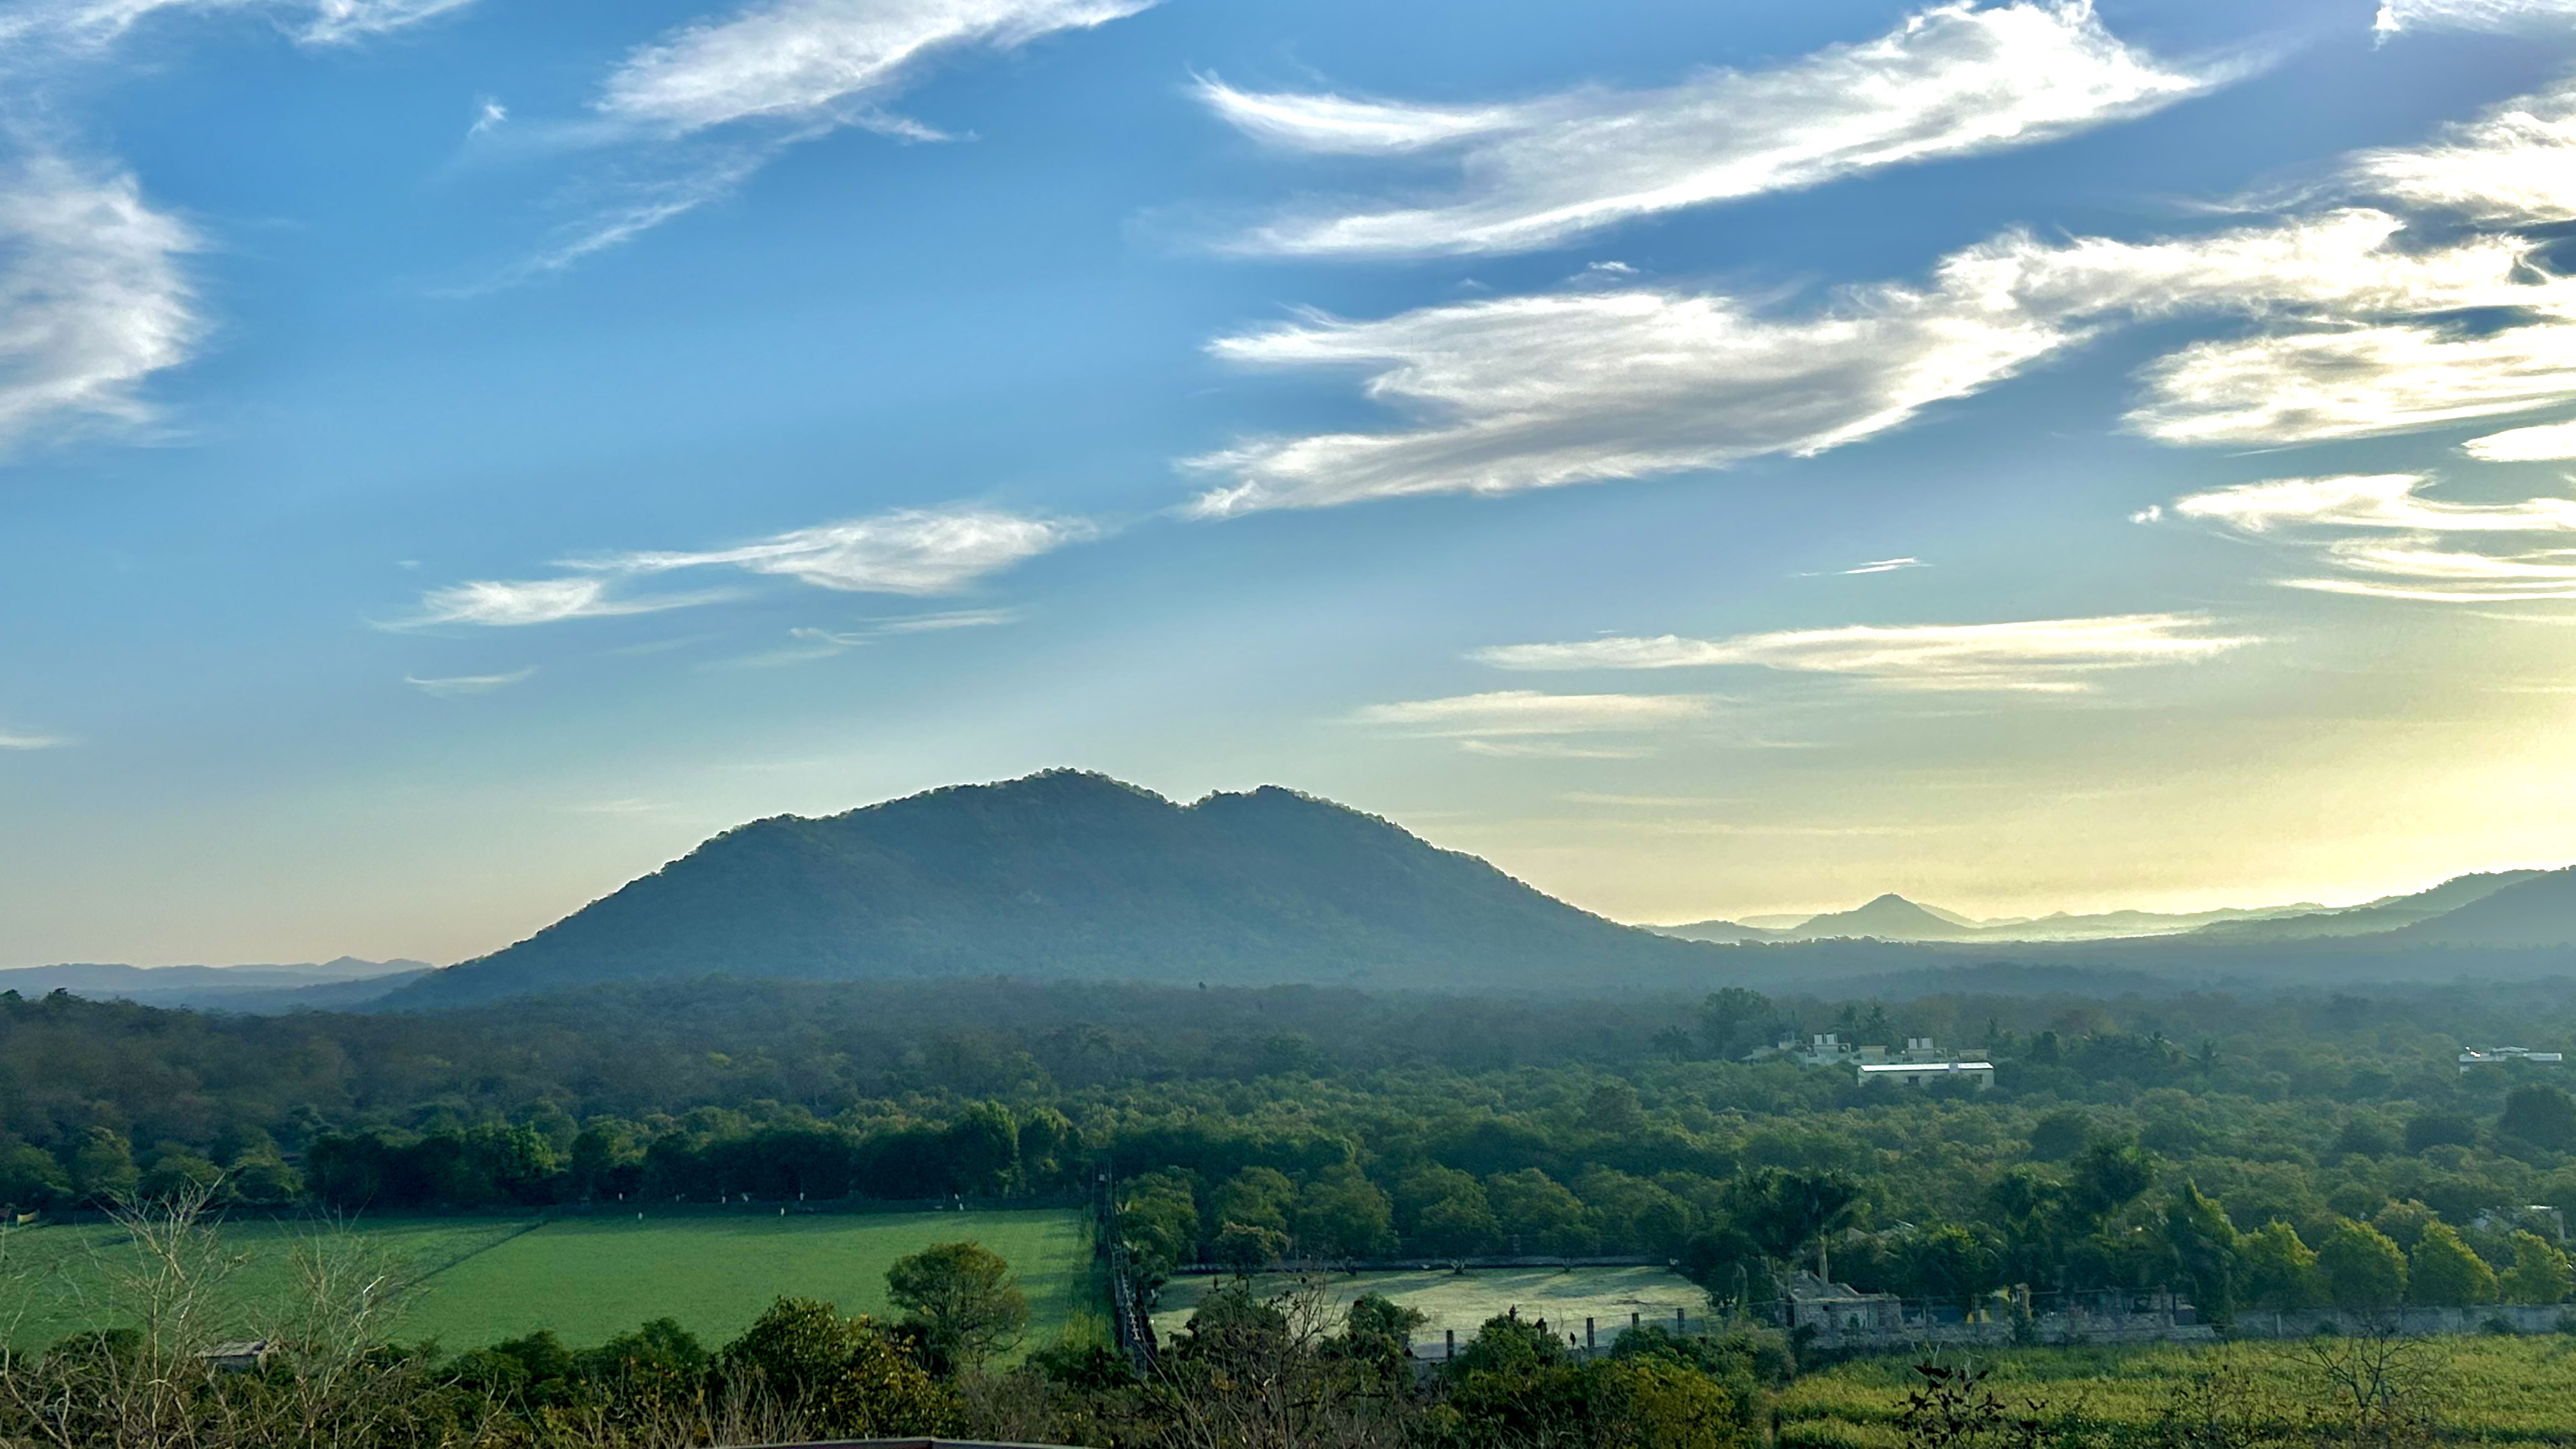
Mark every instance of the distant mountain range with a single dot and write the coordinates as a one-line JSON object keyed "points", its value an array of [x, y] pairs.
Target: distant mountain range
{"points": [[1075, 875], [257, 990], [2537, 920]]}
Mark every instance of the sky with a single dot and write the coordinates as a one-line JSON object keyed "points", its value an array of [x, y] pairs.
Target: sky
{"points": [[1710, 459]]}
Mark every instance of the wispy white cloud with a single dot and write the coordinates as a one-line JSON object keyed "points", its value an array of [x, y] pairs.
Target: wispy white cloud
{"points": [[1529, 712], [1544, 749], [741, 89], [915, 551], [1878, 566], [2400, 15], [2382, 538], [1953, 80], [2514, 165], [93, 24], [509, 603], [910, 551], [469, 683], [1537, 392], [2373, 501], [835, 61], [2358, 336], [92, 298], [2049, 656], [10, 741]]}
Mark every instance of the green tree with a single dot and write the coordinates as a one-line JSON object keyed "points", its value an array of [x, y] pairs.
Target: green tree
{"points": [[2060, 1134], [2443, 1272], [1733, 1021], [1248, 1249], [176, 1172], [2540, 1272], [1341, 1214], [2278, 1270], [2106, 1177], [983, 1148], [1159, 1220], [2204, 1248], [2542, 1115], [103, 1167], [1784, 1211], [1948, 1263], [962, 1299], [842, 1376], [2362, 1269], [1538, 1214], [1257, 1197], [29, 1176]]}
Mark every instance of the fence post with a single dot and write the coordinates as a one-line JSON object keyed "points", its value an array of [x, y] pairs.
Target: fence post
{"points": [[1588, 1343], [1452, 1335]]}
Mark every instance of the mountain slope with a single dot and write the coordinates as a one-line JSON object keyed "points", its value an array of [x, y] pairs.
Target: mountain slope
{"points": [[2540, 911], [2389, 913], [1068, 874]]}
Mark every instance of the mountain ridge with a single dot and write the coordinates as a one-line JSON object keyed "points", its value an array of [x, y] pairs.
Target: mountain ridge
{"points": [[1071, 874]]}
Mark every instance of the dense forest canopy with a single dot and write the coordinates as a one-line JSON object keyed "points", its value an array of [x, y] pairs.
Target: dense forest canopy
{"points": [[1348, 1124]]}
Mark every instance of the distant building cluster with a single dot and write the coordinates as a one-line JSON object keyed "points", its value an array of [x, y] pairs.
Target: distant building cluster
{"points": [[2497, 1056], [1918, 1063]]}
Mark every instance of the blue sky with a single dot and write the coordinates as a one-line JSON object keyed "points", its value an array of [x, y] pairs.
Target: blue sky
{"points": [[1710, 459]]}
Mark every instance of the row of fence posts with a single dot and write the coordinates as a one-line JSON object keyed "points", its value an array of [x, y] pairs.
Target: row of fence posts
{"points": [[1591, 1332], [1127, 1316]]}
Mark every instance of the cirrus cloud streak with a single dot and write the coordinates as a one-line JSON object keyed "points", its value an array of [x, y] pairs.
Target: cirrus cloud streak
{"points": [[2045, 656], [1953, 80]]}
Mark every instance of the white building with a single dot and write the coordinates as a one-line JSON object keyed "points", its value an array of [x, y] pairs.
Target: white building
{"points": [[1980, 1075], [1920, 1062], [2498, 1056]]}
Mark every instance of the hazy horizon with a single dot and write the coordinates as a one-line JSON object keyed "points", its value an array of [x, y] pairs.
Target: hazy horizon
{"points": [[2025, 457]]}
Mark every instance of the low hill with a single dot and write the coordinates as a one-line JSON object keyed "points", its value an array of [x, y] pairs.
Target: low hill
{"points": [[324, 986], [1891, 917], [1075, 875], [1726, 933]]}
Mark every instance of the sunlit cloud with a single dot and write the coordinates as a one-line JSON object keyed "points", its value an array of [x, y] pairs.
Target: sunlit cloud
{"points": [[2524, 445], [2346, 523], [913, 551], [92, 299], [2048, 656], [1953, 80], [469, 683], [13, 741], [1529, 712], [1584, 387]]}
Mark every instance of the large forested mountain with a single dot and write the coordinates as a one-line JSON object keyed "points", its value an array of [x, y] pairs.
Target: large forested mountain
{"points": [[1068, 874]]}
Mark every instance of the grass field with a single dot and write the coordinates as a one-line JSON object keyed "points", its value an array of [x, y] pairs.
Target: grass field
{"points": [[2485, 1390], [1463, 1301], [479, 1280]]}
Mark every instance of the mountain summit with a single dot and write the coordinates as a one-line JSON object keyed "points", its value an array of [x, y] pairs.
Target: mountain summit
{"points": [[1071, 874]]}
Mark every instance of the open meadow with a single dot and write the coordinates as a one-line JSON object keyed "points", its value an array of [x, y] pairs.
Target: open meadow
{"points": [[1564, 1297], [478, 1280], [2482, 1390]]}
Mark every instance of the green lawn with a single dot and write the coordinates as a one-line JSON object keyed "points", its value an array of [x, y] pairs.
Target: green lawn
{"points": [[483, 1279]]}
